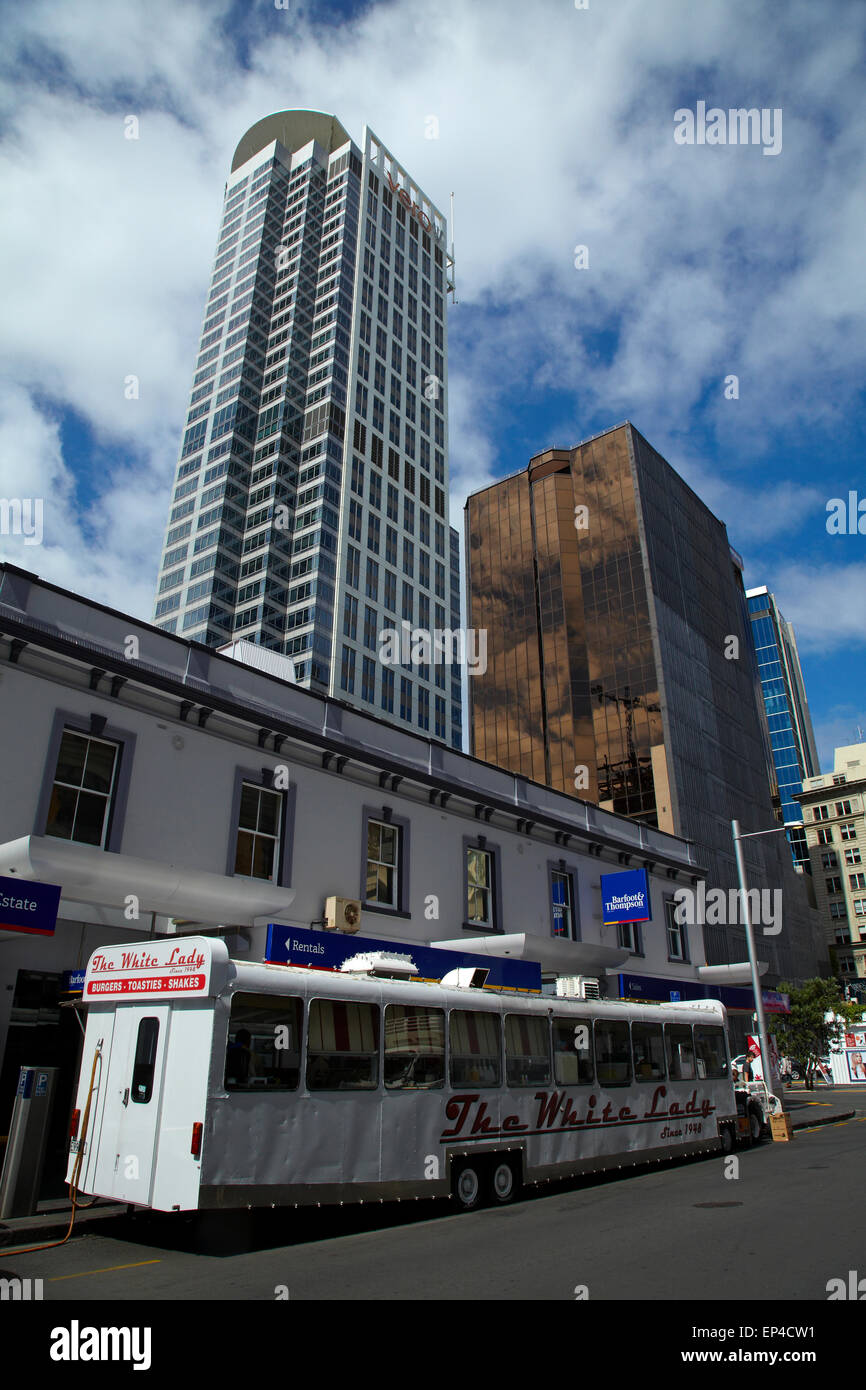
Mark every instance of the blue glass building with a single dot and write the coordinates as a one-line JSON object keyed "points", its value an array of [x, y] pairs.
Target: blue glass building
{"points": [[793, 741]]}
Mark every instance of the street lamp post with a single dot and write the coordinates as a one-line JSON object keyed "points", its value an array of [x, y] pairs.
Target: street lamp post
{"points": [[750, 940]]}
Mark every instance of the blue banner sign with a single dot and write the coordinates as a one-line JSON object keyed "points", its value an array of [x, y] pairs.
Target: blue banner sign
{"points": [[328, 950], [625, 897], [28, 907], [73, 981], [658, 991]]}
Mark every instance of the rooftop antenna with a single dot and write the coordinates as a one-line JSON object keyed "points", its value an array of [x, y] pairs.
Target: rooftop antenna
{"points": [[453, 272]]}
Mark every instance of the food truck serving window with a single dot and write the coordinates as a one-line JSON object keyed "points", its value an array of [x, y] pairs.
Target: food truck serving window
{"points": [[414, 1047], [264, 1044], [710, 1054]]}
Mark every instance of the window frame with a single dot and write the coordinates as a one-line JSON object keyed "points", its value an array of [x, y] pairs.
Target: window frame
{"points": [[482, 1085], [90, 726], [635, 945], [543, 1022], [383, 815], [566, 871], [286, 837], [585, 1055], [480, 842], [612, 1025], [397, 1086], [309, 1056], [274, 1003], [672, 925]]}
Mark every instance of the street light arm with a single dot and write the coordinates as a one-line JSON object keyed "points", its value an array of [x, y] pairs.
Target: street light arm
{"points": [[750, 835]]}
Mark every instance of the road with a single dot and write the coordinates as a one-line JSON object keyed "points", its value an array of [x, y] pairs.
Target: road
{"points": [[785, 1225]]}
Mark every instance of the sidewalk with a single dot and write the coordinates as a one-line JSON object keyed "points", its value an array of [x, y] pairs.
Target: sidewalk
{"points": [[818, 1107]]}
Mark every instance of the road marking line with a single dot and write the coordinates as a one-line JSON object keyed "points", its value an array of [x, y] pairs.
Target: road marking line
{"points": [[108, 1270]]}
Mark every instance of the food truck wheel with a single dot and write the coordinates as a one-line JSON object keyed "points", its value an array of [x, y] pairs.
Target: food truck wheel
{"points": [[756, 1124], [504, 1182], [467, 1186]]}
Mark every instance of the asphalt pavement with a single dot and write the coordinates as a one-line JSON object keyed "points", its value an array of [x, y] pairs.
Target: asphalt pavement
{"points": [[823, 1106]]}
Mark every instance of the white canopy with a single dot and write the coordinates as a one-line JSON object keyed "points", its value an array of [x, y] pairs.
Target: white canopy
{"points": [[555, 955], [91, 876]]}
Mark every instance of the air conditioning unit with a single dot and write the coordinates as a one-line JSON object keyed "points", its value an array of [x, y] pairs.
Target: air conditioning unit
{"points": [[578, 987], [342, 914]]}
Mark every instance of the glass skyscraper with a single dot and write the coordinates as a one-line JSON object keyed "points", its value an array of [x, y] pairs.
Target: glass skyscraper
{"points": [[794, 753], [620, 666], [310, 507]]}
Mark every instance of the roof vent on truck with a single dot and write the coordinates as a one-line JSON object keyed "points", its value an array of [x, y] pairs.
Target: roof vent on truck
{"points": [[466, 977], [385, 964]]}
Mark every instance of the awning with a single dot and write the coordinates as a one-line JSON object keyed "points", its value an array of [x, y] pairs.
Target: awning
{"points": [[737, 974], [555, 955], [94, 877]]}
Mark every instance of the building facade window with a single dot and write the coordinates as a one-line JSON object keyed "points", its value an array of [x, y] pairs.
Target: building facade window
{"points": [[481, 885], [82, 790], [385, 864], [678, 941], [347, 671], [405, 698], [563, 921], [259, 829], [86, 780], [630, 937], [387, 690], [368, 679]]}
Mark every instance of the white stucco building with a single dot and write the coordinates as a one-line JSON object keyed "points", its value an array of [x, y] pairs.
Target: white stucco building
{"points": [[165, 787]]}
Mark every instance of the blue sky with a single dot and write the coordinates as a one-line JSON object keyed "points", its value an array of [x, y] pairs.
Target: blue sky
{"points": [[555, 128]]}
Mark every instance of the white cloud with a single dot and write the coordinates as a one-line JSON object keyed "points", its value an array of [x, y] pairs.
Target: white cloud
{"points": [[824, 602], [841, 726], [105, 549], [555, 127]]}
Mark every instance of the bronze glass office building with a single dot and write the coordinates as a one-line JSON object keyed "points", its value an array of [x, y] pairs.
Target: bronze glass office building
{"points": [[620, 666]]}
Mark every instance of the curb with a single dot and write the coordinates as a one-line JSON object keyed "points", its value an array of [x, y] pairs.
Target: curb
{"points": [[34, 1230], [823, 1119]]}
